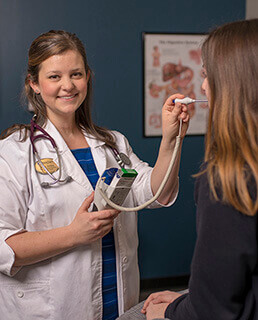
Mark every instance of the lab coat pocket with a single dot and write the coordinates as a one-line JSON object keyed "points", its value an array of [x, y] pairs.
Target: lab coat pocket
{"points": [[25, 301]]}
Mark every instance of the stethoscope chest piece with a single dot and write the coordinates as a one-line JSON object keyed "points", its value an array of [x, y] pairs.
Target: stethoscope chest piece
{"points": [[125, 159], [121, 158]]}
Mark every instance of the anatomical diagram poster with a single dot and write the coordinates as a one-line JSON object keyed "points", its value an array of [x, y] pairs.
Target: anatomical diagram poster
{"points": [[173, 64]]}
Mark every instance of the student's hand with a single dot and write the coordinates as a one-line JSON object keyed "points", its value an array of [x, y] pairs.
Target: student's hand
{"points": [[88, 227], [171, 114], [155, 311], [160, 297]]}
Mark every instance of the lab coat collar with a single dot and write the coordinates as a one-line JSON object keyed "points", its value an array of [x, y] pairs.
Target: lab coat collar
{"points": [[55, 134], [71, 165], [62, 146], [92, 141]]}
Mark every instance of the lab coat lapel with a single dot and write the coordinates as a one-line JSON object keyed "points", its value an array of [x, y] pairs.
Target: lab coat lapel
{"points": [[98, 152], [70, 165], [74, 170]]}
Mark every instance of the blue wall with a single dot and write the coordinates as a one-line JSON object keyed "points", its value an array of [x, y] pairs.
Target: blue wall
{"points": [[111, 31]]}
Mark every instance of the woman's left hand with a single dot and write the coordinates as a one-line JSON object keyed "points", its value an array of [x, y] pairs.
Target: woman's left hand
{"points": [[158, 298], [171, 114]]}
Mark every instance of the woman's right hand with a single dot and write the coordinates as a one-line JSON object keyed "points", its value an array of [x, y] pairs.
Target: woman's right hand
{"points": [[88, 227]]}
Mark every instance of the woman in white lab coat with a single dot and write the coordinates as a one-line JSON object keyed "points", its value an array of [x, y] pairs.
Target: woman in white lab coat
{"points": [[50, 238]]}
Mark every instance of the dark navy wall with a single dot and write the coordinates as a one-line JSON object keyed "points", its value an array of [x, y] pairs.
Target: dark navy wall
{"points": [[111, 31]]}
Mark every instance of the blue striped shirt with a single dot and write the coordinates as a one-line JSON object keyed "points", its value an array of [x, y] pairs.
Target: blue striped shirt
{"points": [[109, 278]]}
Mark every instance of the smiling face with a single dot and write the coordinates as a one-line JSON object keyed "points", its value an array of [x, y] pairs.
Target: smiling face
{"points": [[62, 84]]}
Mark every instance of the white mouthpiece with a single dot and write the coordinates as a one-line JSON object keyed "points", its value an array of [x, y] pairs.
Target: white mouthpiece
{"points": [[188, 100]]}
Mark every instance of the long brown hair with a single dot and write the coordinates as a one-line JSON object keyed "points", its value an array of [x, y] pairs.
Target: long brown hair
{"points": [[230, 57], [43, 47]]}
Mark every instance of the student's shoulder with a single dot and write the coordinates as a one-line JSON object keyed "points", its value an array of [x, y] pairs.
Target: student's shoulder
{"points": [[201, 181]]}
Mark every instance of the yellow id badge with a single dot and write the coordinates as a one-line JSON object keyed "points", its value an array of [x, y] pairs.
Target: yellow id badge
{"points": [[48, 163]]}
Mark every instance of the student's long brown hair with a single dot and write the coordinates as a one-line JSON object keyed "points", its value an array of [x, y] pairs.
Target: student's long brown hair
{"points": [[43, 47], [230, 57]]}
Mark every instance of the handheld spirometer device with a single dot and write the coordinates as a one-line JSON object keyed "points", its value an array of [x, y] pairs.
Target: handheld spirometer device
{"points": [[114, 185]]}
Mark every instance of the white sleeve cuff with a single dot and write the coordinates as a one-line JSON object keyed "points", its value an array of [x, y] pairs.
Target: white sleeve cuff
{"points": [[7, 255], [172, 199]]}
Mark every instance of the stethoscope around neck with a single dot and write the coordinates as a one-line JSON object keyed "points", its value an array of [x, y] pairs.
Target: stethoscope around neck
{"points": [[44, 135], [121, 158]]}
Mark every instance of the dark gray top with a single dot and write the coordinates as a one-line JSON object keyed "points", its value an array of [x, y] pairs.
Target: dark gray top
{"points": [[223, 283]]}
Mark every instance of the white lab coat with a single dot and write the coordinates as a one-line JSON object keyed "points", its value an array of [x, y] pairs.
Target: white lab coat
{"points": [[68, 286]]}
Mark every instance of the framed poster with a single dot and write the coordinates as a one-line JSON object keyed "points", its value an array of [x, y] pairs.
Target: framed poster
{"points": [[172, 64]]}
